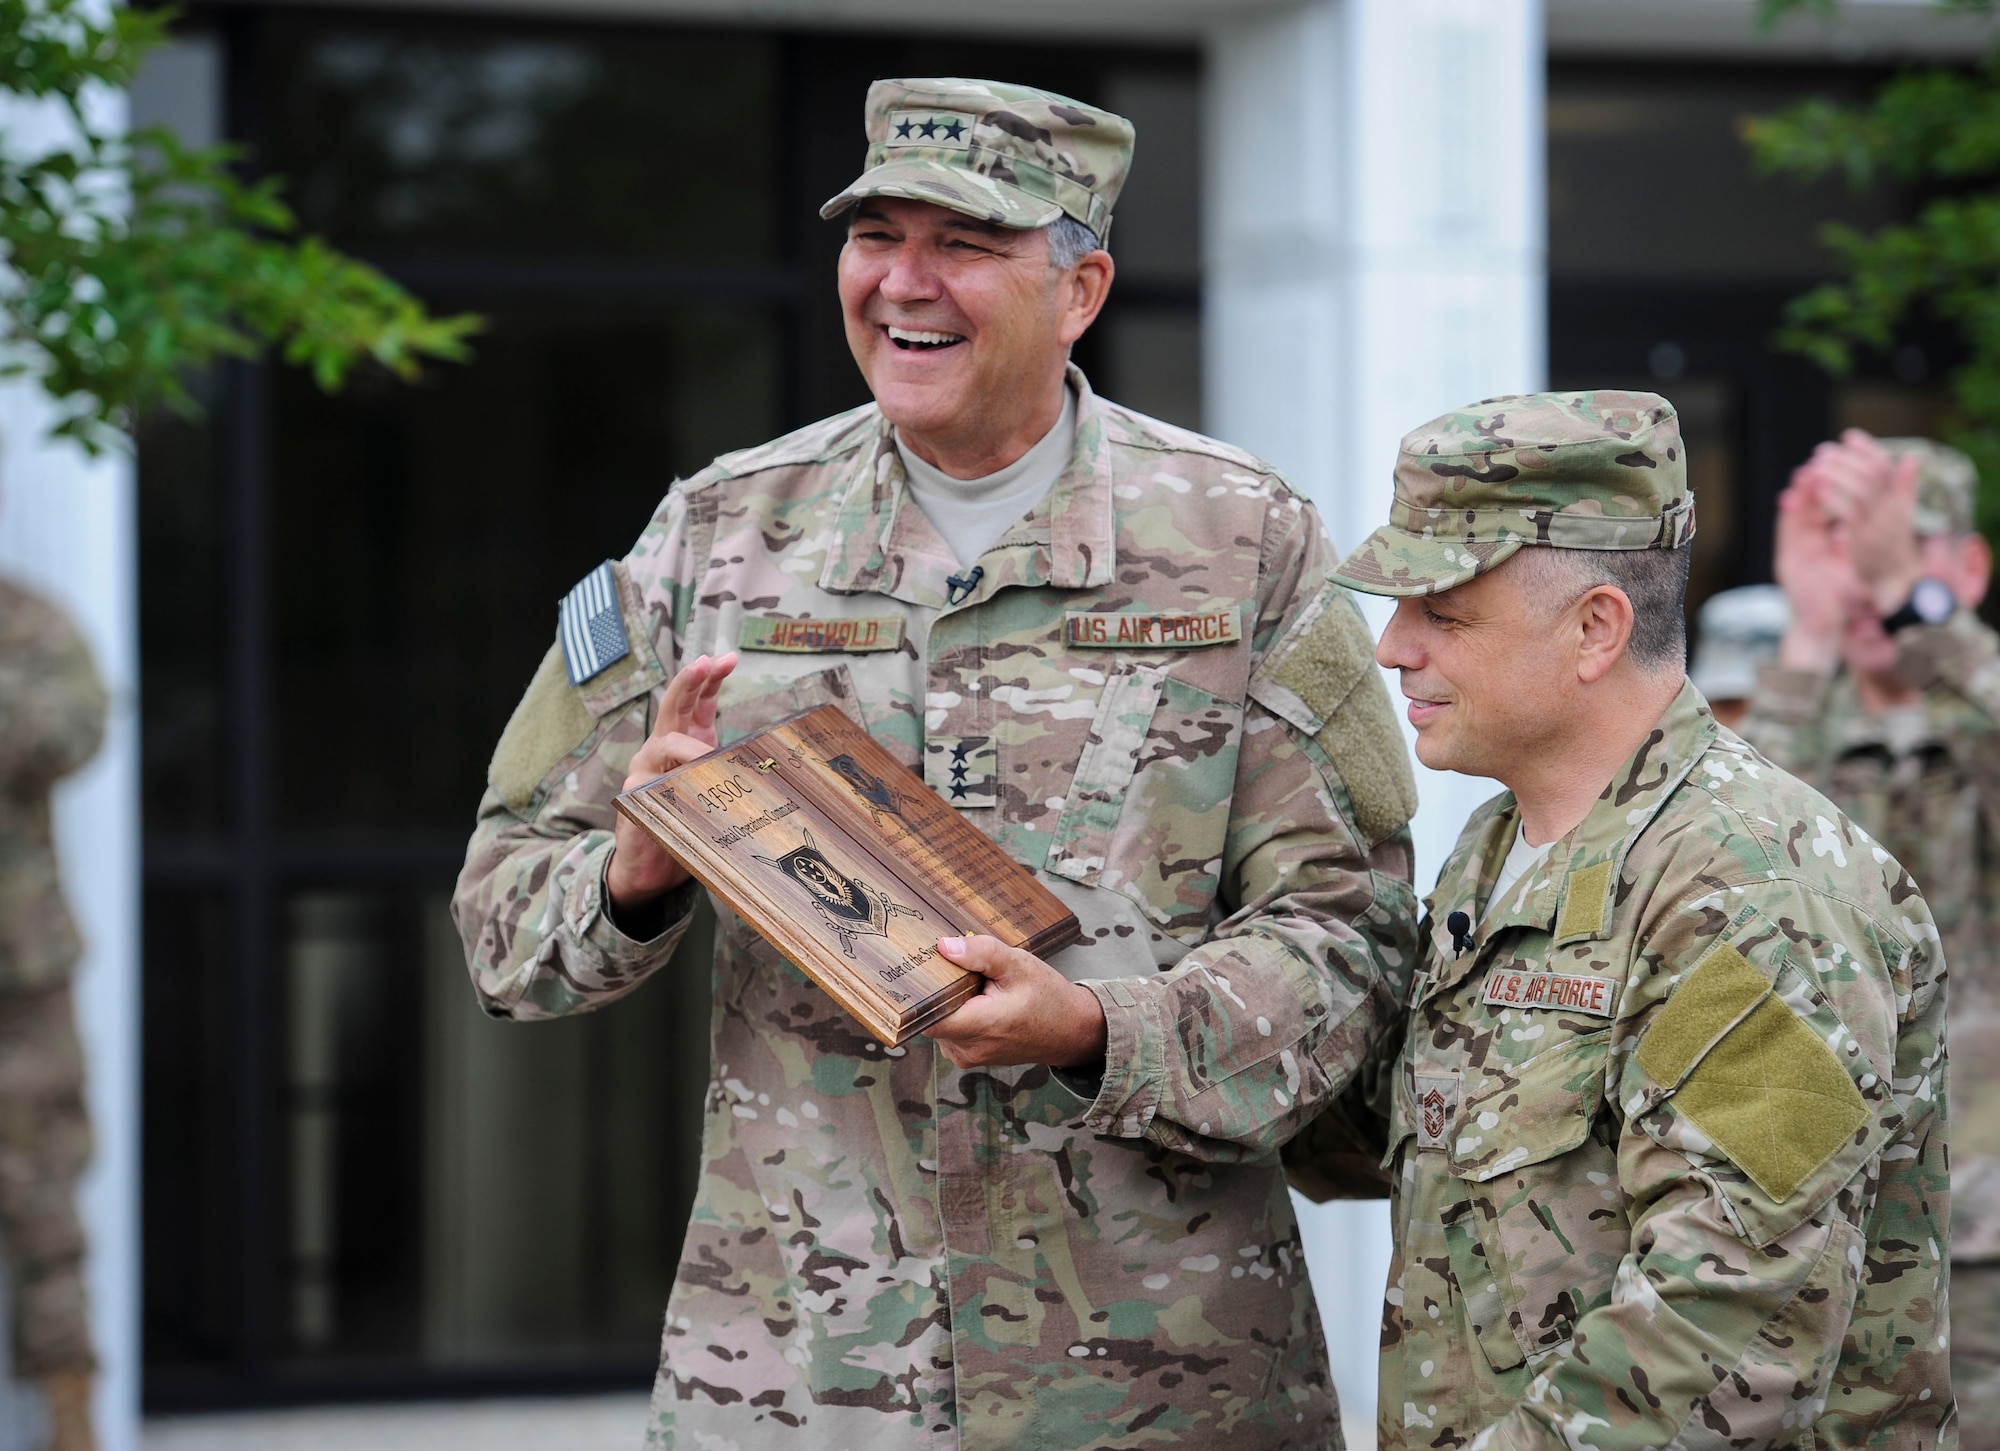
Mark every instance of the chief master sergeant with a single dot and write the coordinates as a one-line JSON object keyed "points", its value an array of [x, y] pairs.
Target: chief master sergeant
{"points": [[1058, 1221], [1666, 1131]]}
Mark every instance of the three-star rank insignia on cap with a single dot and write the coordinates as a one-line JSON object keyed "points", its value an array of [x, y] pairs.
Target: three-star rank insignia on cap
{"points": [[593, 636], [950, 129]]}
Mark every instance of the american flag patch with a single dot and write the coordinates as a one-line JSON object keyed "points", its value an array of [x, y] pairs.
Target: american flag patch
{"points": [[593, 637]]}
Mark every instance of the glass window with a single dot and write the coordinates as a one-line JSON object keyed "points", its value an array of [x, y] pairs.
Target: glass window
{"points": [[427, 534], [183, 736], [188, 1117], [522, 141], [1649, 179]]}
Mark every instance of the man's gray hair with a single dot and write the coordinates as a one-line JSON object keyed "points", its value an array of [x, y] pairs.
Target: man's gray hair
{"points": [[1654, 580], [1070, 241]]}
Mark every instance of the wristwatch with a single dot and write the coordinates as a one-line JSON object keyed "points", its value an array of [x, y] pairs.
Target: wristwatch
{"points": [[1931, 602]]}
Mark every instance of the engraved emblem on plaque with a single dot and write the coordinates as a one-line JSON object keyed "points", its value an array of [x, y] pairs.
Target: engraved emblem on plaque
{"points": [[846, 904], [872, 789]]}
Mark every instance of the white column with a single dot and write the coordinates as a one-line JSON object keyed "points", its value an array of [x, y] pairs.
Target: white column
{"points": [[1375, 256], [68, 529]]}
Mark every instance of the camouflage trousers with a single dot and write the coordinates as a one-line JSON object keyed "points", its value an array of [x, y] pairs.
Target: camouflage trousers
{"points": [[1975, 1354], [44, 1145]]}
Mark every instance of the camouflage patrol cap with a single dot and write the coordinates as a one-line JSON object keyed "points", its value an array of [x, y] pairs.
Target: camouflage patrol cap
{"points": [[1008, 154], [1600, 470], [1739, 630], [1946, 482]]}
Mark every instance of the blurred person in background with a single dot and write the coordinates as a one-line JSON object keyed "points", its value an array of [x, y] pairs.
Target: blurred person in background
{"points": [[1739, 630], [1058, 1219], [52, 714], [1886, 696]]}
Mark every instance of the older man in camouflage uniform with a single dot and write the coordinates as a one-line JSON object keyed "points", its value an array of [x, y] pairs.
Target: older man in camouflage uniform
{"points": [[1886, 696], [51, 721], [1059, 1221], [1665, 1132]]}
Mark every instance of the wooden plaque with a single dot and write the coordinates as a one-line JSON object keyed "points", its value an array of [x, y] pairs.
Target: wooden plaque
{"points": [[848, 864]]}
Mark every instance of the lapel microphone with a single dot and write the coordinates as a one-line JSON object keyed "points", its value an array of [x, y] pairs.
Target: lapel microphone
{"points": [[1460, 927], [960, 587]]}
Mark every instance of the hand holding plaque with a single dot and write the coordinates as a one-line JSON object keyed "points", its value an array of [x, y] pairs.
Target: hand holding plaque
{"points": [[847, 863]]}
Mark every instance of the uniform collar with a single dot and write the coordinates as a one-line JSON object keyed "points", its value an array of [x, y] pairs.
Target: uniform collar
{"points": [[883, 542], [1570, 895]]}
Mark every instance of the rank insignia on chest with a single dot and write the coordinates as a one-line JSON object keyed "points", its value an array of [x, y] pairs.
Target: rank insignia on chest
{"points": [[1571, 992], [1437, 1106], [965, 770], [1108, 630], [830, 636]]}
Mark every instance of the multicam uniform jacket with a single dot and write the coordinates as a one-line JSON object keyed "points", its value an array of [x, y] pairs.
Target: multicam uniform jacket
{"points": [[1932, 796], [52, 708], [52, 717], [1666, 1132], [1151, 697]]}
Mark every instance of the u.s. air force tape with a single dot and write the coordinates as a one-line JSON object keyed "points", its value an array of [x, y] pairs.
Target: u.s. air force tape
{"points": [[1148, 630], [1571, 992], [593, 637]]}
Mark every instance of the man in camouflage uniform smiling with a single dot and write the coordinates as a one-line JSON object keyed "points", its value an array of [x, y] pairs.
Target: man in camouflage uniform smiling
{"points": [[1058, 1220], [1665, 1133]]}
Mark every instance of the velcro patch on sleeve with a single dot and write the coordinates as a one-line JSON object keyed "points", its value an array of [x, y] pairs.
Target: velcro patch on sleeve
{"points": [[549, 723], [821, 637], [1322, 678], [1773, 1098], [1143, 630], [1760, 1084], [1714, 999]]}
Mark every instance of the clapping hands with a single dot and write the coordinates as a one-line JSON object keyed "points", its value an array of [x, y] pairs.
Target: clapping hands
{"points": [[1846, 544]]}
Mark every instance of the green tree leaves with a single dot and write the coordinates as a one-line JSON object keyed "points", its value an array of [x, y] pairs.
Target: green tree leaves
{"points": [[131, 262], [1939, 128]]}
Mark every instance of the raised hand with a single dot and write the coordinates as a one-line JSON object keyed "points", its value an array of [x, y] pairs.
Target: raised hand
{"points": [[641, 869], [1814, 568], [1874, 495]]}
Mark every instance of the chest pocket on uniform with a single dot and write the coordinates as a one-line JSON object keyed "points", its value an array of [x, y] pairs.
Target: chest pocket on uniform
{"points": [[1544, 1226], [1147, 813], [752, 702]]}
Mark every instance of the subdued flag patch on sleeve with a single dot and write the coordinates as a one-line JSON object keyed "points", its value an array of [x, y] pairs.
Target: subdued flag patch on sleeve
{"points": [[593, 637]]}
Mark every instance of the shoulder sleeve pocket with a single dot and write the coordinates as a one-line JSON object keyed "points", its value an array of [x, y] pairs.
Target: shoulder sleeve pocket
{"points": [[1749, 1052], [1321, 678], [555, 717]]}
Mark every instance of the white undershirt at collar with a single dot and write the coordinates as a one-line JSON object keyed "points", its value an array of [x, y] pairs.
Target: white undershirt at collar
{"points": [[1521, 860], [972, 514]]}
